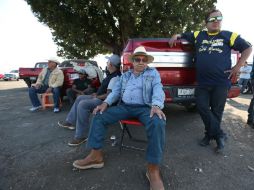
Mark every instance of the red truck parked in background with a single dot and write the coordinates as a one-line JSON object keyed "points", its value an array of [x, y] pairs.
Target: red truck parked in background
{"points": [[176, 67], [30, 75]]}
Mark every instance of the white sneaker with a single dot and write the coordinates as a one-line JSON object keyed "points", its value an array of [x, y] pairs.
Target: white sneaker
{"points": [[56, 110], [35, 108]]}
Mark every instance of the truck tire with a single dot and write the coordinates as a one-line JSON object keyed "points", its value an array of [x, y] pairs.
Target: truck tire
{"points": [[28, 82]]}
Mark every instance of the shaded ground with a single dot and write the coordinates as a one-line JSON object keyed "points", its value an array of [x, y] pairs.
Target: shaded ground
{"points": [[34, 152]]}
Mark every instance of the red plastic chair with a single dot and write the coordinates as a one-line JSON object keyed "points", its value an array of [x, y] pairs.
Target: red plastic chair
{"points": [[47, 100], [124, 125]]}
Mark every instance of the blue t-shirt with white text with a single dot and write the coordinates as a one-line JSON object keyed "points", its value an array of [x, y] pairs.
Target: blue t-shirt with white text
{"points": [[213, 55]]}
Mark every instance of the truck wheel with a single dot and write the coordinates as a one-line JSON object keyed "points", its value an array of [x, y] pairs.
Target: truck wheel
{"points": [[192, 107], [28, 82]]}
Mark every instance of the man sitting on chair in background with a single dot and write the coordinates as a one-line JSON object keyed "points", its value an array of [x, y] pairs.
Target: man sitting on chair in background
{"points": [[49, 80], [80, 86], [142, 97]]}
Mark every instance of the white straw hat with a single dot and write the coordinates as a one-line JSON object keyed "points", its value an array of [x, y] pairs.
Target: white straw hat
{"points": [[140, 51], [53, 59]]}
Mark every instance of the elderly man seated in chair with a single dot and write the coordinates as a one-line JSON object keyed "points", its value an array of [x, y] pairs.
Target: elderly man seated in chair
{"points": [[49, 80], [142, 97]]}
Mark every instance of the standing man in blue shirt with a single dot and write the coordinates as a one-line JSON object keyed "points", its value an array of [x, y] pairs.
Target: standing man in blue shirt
{"points": [[213, 65], [141, 96]]}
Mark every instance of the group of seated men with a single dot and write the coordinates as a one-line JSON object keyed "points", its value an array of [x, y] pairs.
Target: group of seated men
{"points": [[136, 93]]}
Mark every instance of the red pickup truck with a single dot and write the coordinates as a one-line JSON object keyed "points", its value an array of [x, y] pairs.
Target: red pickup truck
{"points": [[176, 67], [30, 75]]}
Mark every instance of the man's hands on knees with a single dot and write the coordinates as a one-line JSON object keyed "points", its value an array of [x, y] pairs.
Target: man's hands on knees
{"points": [[101, 108], [37, 86], [49, 90], [158, 111]]}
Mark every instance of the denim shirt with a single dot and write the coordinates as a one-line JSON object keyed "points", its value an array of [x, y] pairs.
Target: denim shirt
{"points": [[133, 93], [153, 93]]}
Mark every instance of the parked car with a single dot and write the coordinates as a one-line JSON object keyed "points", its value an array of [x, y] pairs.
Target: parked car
{"points": [[176, 67], [15, 72], [10, 76], [1, 76]]}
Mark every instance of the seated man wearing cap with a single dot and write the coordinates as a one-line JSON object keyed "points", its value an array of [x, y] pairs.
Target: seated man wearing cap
{"points": [[84, 104], [80, 86], [49, 80], [141, 96]]}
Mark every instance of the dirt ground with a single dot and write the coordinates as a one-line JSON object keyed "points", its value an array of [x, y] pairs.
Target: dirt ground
{"points": [[34, 153]]}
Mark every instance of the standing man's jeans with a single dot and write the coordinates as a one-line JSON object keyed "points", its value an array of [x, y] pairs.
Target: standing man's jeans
{"points": [[155, 128], [34, 97], [251, 106], [210, 103], [80, 113]]}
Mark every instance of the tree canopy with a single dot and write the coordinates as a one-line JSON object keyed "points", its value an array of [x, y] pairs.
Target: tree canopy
{"points": [[84, 28]]}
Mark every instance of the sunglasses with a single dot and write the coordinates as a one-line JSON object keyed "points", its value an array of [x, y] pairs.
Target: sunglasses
{"points": [[138, 60], [216, 18]]}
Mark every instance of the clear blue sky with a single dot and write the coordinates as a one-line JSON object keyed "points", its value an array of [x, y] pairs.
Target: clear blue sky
{"points": [[24, 41]]}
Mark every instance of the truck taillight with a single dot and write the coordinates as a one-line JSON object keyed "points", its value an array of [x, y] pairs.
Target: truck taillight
{"points": [[126, 63]]}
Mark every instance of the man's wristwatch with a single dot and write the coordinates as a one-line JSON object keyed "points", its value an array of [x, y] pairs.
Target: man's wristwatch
{"points": [[155, 106]]}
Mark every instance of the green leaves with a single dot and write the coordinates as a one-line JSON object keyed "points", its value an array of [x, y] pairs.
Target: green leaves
{"points": [[84, 28]]}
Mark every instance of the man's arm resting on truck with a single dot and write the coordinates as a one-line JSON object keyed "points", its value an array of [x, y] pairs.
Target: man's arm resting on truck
{"points": [[189, 36], [172, 41]]}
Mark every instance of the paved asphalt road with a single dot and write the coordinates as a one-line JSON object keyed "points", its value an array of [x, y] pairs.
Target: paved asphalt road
{"points": [[34, 152]]}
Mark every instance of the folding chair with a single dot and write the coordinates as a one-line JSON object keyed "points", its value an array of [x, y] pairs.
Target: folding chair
{"points": [[124, 125]]}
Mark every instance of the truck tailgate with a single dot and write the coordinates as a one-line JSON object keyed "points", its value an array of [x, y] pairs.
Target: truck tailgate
{"points": [[29, 72]]}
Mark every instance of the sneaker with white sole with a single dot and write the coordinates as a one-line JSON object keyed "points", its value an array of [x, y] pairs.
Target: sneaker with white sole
{"points": [[56, 110], [66, 125], [35, 108]]}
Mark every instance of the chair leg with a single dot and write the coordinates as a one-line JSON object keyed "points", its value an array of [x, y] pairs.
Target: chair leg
{"points": [[122, 136], [128, 131], [43, 101], [60, 102]]}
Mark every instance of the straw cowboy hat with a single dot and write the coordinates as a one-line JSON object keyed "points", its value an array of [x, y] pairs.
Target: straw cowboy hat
{"points": [[53, 59], [140, 51]]}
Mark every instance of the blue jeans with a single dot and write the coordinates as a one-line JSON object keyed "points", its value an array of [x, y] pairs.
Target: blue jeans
{"points": [[155, 128], [34, 97], [210, 103], [80, 113]]}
